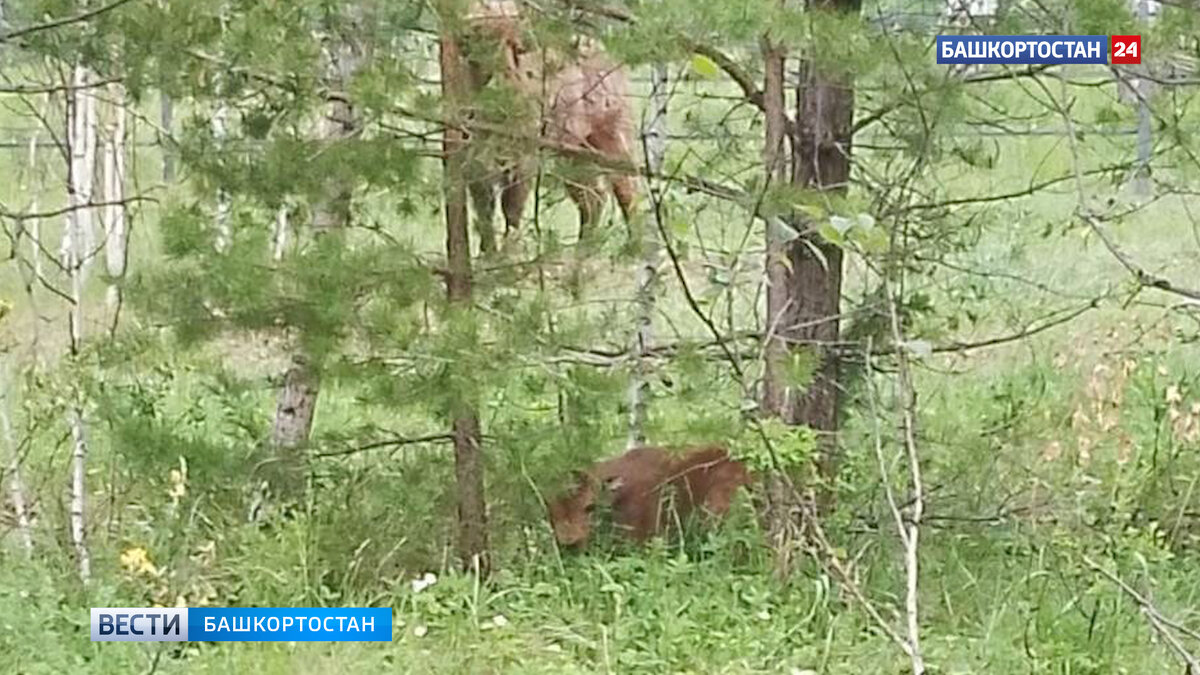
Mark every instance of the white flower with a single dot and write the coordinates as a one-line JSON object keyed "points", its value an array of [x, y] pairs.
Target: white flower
{"points": [[424, 582], [420, 631], [499, 621]]}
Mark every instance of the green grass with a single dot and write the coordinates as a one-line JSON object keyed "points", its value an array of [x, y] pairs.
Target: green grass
{"points": [[1066, 459]]}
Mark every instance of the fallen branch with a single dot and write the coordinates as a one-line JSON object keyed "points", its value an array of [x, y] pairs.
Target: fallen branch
{"points": [[1157, 621]]}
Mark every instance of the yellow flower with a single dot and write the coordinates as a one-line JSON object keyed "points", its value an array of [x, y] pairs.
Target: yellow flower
{"points": [[137, 561]]}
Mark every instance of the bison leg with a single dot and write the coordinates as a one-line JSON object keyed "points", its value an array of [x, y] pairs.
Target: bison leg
{"points": [[589, 199], [512, 200], [625, 190], [612, 140], [483, 195]]}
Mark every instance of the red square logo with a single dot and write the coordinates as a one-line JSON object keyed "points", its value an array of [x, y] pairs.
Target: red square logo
{"points": [[1125, 49]]}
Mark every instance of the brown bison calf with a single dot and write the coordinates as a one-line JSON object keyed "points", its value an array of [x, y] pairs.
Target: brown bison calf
{"points": [[640, 482], [584, 105]]}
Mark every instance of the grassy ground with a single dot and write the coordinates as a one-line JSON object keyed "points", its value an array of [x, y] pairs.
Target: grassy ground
{"points": [[1073, 443]]}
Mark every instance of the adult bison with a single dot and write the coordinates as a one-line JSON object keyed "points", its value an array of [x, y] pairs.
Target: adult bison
{"points": [[576, 101]]}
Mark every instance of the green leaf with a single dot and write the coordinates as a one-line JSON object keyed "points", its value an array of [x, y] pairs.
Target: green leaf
{"points": [[831, 234], [783, 230], [841, 224], [704, 66]]}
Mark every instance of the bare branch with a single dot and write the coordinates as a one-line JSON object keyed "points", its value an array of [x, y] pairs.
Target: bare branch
{"points": [[1157, 621], [1139, 273], [387, 443], [64, 21]]}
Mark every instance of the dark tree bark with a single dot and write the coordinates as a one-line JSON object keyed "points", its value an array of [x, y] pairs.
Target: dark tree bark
{"points": [[468, 455], [821, 161], [804, 275]]}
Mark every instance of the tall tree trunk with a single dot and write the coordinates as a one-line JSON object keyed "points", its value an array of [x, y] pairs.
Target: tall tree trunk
{"points": [[87, 184], [78, 511], [223, 234], [16, 485], [166, 122], [116, 242], [293, 423], [468, 455], [78, 232], [79, 237], [820, 161], [647, 271], [81, 143], [331, 217], [778, 516], [35, 224]]}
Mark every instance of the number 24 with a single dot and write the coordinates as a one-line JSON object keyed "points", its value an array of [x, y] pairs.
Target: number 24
{"points": [[1124, 49]]}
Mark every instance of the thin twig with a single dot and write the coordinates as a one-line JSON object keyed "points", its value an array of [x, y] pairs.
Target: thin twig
{"points": [[64, 21], [387, 443]]}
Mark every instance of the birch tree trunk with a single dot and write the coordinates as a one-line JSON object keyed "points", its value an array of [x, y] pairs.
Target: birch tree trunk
{"points": [[331, 216], [468, 455], [35, 224], [16, 485], [116, 243], [166, 116], [280, 236], [79, 237], [224, 236], [81, 146], [79, 494], [655, 141]]}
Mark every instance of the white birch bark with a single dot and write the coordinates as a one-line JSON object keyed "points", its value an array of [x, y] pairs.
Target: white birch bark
{"points": [[79, 494], [655, 140], [87, 179], [166, 122], [220, 128], [279, 238], [16, 485], [35, 224], [81, 146], [78, 235], [116, 242], [298, 398]]}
